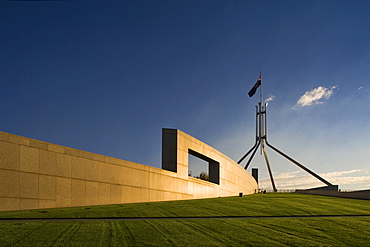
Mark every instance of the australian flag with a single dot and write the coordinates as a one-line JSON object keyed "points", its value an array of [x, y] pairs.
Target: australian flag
{"points": [[254, 88]]}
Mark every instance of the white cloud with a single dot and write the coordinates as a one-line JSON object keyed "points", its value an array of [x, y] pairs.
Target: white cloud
{"points": [[360, 88], [314, 96], [270, 98], [338, 174]]}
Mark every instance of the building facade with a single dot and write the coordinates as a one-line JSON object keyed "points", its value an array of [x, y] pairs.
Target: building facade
{"points": [[36, 174]]}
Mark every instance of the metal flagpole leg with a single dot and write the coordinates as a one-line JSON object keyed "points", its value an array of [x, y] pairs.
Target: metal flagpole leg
{"points": [[263, 137], [268, 167], [260, 111], [254, 152], [250, 150], [299, 165], [289, 158]]}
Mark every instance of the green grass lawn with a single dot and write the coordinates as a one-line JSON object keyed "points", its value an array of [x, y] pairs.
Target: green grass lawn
{"points": [[346, 231], [270, 204]]}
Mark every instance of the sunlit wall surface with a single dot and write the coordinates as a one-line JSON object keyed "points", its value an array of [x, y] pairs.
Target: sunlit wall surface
{"points": [[36, 174]]}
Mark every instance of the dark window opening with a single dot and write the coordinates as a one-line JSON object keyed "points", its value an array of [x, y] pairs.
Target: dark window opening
{"points": [[202, 167]]}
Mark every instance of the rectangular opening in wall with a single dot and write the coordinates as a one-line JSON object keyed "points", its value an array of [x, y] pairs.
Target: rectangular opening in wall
{"points": [[204, 168], [198, 168]]}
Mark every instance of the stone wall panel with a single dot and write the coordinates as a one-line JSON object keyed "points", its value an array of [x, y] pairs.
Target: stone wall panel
{"points": [[36, 174]]}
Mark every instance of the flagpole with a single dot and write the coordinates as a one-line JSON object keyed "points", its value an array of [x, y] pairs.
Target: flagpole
{"points": [[261, 88], [260, 113], [261, 139]]}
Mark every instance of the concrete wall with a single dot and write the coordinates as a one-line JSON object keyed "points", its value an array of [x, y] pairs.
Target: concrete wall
{"points": [[233, 179], [36, 174]]}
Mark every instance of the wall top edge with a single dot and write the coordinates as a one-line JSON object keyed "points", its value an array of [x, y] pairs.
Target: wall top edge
{"points": [[42, 145], [25, 141]]}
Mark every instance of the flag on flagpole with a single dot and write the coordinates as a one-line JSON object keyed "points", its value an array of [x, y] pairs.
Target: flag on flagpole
{"points": [[254, 88]]}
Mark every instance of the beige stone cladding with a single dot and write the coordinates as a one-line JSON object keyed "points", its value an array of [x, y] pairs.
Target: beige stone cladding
{"points": [[36, 174], [229, 178]]}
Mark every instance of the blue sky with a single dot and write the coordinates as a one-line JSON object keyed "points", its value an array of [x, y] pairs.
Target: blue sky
{"points": [[107, 76]]}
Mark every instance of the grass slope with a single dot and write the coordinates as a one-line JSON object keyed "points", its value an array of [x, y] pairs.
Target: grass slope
{"points": [[199, 232]]}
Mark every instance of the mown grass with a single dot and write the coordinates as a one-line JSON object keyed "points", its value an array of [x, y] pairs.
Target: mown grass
{"points": [[200, 232], [270, 204], [346, 231]]}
